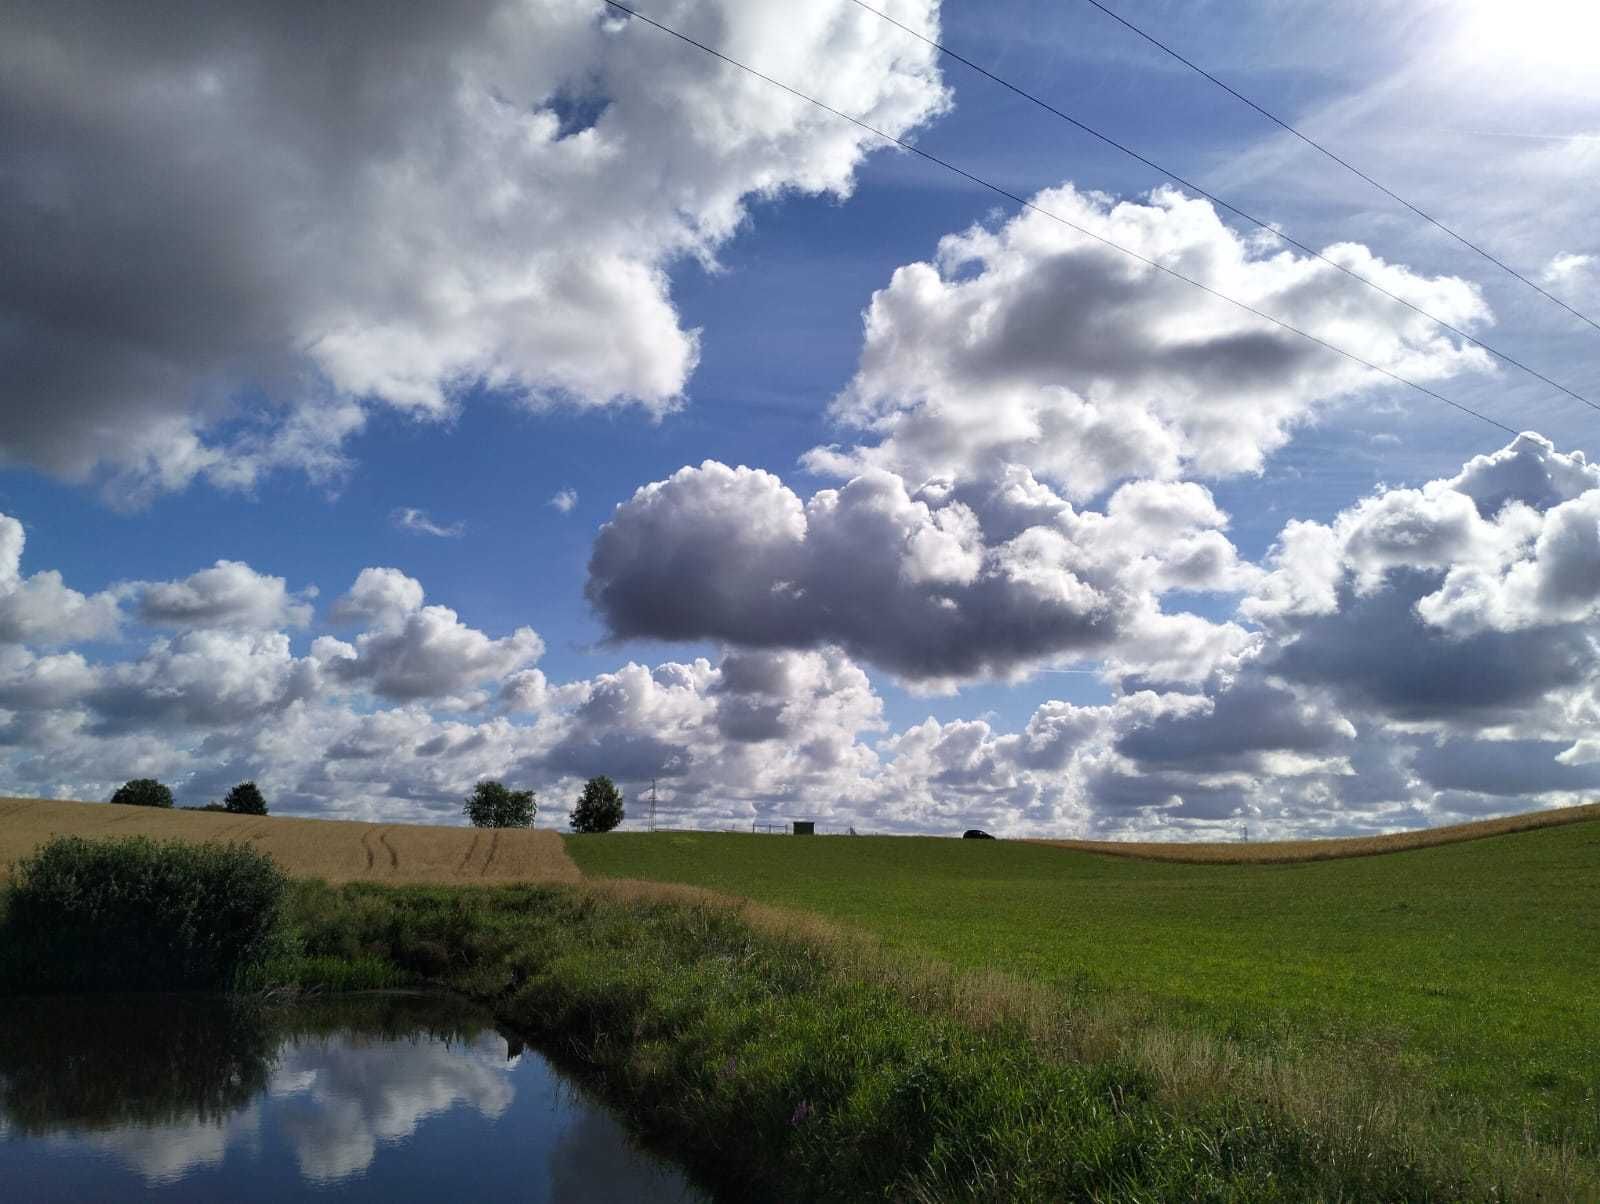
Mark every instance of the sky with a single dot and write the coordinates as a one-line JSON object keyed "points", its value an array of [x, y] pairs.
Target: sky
{"points": [[400, 397]]}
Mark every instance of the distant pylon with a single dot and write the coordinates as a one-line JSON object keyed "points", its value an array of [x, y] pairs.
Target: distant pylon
{"points": [[652, 804]]}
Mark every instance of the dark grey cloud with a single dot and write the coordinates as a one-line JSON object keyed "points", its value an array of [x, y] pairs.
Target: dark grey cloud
{"points": [[1248, 717], [627, 756], [749, 721], [1175, 796], [732, 555], [1504, 768], [232, 229], [1085, 314], [1377, 653], [171, 168]]}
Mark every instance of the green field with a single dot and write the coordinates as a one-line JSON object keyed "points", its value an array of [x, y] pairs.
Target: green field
{"points": [[1468, 972]]}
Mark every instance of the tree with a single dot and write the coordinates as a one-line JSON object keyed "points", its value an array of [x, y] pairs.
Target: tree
{"points": [[492, 805], [245, 799], [142, 792], [599, 807]]}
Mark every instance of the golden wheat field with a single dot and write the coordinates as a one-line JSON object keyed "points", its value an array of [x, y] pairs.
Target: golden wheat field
{"points": [[334, 850], [1328, 849]]}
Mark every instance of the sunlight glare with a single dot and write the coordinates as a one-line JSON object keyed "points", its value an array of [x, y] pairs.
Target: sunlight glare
{"points": [[1559, 34]]}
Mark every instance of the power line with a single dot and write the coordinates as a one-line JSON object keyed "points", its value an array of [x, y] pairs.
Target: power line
{"points": [[1231, 208], [1350, 167], [1071, 225]]}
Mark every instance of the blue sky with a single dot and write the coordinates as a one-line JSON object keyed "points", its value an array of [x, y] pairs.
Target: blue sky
{"points": [[777, 298]]}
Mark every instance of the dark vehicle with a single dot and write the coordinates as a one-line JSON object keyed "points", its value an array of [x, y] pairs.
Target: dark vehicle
{"points": [[976, 834]]}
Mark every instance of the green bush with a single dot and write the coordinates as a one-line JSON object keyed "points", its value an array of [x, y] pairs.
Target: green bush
{"points": [[142, 792], [245, 799], [599, 807], [137, 915]]}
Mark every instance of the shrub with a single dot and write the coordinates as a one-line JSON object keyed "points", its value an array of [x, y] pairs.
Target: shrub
{"points": [[134, 914], [492, 805], [142, 792], [599, 807], [245, 799]]}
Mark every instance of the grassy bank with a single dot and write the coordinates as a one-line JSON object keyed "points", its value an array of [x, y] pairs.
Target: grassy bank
{"points": [[782, 1058], [1465, 972]]}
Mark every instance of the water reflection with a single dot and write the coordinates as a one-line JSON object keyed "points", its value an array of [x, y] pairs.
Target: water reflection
{"points": [[340, 1098], [68, 1063], [395, 1097]]}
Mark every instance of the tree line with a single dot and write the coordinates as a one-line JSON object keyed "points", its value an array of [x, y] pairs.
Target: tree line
{"points": [[244, 799], [491, 804], [494, 805]]}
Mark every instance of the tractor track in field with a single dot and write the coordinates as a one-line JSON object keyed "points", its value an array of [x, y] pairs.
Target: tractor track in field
{"points": [[310, 848]]}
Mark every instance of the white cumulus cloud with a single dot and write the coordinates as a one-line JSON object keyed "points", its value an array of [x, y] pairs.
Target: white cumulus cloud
{"points": [[228, 594], [1036, 345]]}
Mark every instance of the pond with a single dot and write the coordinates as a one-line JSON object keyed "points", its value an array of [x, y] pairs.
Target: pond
{"points": [[392, 1097]]}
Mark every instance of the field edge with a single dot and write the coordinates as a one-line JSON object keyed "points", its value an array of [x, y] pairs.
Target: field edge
{"points": [[1286, 852]]}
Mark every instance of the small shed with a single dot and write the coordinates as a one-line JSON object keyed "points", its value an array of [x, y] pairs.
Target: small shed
{"points": [[805, 827]]}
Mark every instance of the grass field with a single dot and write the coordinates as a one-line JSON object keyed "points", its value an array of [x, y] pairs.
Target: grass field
{"points": [[779, 1057], [1465, 972], [334, 850]]}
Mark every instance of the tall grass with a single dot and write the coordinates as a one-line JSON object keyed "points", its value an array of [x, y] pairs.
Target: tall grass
{"points": [[135, 915], [1461, 976], [780, 1057]]}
